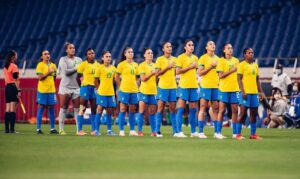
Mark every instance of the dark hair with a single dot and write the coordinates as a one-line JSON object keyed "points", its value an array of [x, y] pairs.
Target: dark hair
{"points": [[223, 54], [274, 91], [185, 42], [67, 45], [8, 58], [279, 66], [245, 50], [87, 50], [164, 43], [104, 52], [42, 54], [123, 57], [145, 49]]}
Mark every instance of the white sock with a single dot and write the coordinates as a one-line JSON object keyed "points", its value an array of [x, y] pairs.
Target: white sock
{"points": [[76, 111], [61, 117]]}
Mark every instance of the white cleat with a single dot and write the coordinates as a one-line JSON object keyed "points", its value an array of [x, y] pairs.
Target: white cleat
{"points": [[122, 133], [234, 136], [194, 134], [133, 133], [180, 135], [159, 135], [202, 136], [218, 136]]}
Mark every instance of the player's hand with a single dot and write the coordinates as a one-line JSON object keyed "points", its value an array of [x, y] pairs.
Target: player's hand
{"points": [[50, 70], [233, 69], [244, 95], [19, 94], [214, 64], [154, 71], [171, 65], [193, 65], [76, 66]]}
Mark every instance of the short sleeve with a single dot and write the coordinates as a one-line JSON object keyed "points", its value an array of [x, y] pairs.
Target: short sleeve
{"points": [[120, 68], [141, 69], [39, 69], [179, 62], [158, 64], [14, 69], [240, 69], [80, 68], [257, 70], [98, 72], [201, 62], [220, 66]]}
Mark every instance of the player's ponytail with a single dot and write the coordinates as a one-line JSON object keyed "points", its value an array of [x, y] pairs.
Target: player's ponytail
{"points": [[9, 57]]}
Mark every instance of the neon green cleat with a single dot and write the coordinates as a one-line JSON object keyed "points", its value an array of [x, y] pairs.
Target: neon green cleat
{"points": [[61, 132]]}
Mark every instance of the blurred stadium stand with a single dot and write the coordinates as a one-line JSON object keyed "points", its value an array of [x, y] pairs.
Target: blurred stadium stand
{"points": [[271, 27]]}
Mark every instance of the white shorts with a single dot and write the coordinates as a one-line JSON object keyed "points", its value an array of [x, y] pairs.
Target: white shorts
{"points": [[73, 93]]}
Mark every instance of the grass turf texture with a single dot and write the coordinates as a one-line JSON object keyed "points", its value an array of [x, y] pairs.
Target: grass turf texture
{"points": [[28, 155]]}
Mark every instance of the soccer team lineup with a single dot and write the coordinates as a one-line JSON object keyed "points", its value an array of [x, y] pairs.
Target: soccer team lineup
{"points": [[130, 90]]}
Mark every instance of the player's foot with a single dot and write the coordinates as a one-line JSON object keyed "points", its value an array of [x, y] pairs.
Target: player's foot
{"points": [[53, 131], [97, 133], [93, 133], [218, 136], [39, 131], [234, 136], [202, 135], [81, 133], [122, 133], [180, 135], [224, 137], [159, 134], [194, 134], [62, 132], [140, 134], [255, 136], [153, 134], [14, 132], [111, 133], [133, 133], [240, 137]]}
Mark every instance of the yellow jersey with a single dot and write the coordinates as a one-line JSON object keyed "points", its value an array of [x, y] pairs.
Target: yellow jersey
{"points": [[88, 71], [128, 72], [229, 83], [106, 76], [168, 79], [210, 79], [47, 85], [149, 86], [189, 78], [249, 72]]}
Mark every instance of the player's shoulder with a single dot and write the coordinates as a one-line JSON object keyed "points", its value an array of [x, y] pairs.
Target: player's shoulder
{"points": [[204, 56]]}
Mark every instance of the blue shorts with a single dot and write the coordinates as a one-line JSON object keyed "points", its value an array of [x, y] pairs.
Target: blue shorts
{"points": [[87, 92], [251, 101], [166, 95], [106, 101], [127, 98], [148, 99], [188, 94], [209, 94], [229, 97], [46, 98]]}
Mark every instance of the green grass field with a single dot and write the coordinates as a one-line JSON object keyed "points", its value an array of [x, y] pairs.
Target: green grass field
{"points": [[27, 155]]}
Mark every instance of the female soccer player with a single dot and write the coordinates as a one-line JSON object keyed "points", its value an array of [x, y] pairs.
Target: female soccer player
{"points": [[69, 86], [106, 94], [46, 97], [12, 90], [148, 91], [209, 86], [87, 70], [188, 89], [127, 70], [228, 88], [248, 79], [166, 91]]}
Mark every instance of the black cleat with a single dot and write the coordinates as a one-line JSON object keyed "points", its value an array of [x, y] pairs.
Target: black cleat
{"points": [[53, 131], [39, 131]]}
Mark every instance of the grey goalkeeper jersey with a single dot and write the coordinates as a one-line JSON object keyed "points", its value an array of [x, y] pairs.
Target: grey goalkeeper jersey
{"points": [[68, 73]]}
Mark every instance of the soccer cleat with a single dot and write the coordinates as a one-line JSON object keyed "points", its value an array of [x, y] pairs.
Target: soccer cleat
{"points": [[218, 136], [234, 136], [194, 134], [81, 133], [159, 134], [224, 137], [14, 132], [133, 133], [239, 137], [153, 134], [111, 133], [93, 133], [180, 135], [140, 134], [255, 136], [53, 131], [202, 136], [62, 132], [122, 133], [97, 133], [39, 131]]}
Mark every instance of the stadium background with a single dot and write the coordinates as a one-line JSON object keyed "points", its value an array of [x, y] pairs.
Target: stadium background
{"points": [[270, 27]]}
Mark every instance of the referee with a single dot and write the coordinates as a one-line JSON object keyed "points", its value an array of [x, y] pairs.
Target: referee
{"points": [[12, 90]]}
